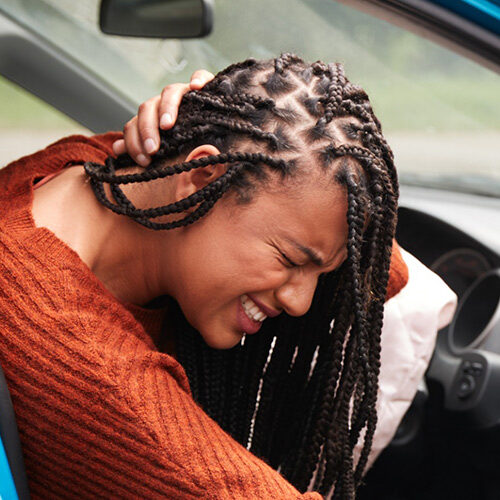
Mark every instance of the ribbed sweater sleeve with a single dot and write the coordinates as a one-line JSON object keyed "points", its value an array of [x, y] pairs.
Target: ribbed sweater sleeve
{"points": [[193, 453]]}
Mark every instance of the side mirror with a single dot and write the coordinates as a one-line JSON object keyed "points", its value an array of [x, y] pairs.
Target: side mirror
{"points": [[157, 18]]}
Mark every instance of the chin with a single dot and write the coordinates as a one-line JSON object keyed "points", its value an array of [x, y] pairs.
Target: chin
{"points": [[222, 340]]}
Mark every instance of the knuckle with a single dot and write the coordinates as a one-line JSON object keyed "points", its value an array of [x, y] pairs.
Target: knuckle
{"points": [[145, 130], [132, 151], [166, 90]]}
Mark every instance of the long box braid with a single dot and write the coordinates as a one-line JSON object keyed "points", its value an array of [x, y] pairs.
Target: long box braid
{"points": [[301, 393]]}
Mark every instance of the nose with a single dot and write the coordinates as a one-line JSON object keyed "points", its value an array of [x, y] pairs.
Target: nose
{"points": [[296, 295]]}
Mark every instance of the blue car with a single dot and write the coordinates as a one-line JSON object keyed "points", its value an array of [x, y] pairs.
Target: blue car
{"points": [[432, 71]]}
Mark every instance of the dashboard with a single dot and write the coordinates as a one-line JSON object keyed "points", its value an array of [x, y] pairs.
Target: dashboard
{"points": [[466, 361], [449, 440]]}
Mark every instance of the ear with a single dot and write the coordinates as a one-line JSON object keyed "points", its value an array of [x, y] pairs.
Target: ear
{"points": [[197, 178]]}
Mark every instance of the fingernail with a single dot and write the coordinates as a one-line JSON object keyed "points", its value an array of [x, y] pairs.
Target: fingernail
{"points": [[196, 82], [150, 145], [165, 120], [142, 160]]}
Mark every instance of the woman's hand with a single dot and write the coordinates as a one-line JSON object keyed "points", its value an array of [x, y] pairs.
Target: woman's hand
{"points": [[140, 134]]}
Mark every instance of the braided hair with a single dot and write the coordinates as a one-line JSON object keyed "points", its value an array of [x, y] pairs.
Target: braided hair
{"points": [[303, 392]]}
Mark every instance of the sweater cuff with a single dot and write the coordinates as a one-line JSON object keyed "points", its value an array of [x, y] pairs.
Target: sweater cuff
{"points": [[398, 272]]}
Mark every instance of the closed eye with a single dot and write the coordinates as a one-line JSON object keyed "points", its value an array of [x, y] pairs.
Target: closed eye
{"points": [[289, 261]]}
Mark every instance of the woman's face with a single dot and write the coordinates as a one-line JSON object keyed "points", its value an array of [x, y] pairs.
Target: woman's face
{"points": [[268, 251]]}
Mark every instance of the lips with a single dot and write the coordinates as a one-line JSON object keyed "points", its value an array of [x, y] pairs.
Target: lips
{"points": [[245, 324], [266, 310]]}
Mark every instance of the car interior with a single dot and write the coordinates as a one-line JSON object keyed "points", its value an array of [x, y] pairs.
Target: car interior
{"points": [[448, 443]]}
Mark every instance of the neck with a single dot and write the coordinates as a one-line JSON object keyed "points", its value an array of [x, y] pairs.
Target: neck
{"points": [[124, 258], [131, 261]]}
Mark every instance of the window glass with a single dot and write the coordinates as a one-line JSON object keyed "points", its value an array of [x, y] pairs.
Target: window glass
{"points": [[28, 124], [439, 110]]}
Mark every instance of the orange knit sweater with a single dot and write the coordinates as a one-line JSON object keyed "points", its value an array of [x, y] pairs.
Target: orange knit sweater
{"points": [[101, 412]]}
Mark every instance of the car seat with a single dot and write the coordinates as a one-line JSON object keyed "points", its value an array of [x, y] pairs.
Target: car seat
{"points": [[13, 480]]}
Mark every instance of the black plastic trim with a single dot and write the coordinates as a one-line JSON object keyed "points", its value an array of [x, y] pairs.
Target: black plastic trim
{"points": [[47, 72]]}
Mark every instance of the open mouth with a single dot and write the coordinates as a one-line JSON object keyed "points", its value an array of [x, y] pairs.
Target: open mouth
{"points": [[251, 309], [249, 315]]}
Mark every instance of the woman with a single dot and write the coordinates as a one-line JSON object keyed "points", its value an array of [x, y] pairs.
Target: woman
{"points": [[271, 206]]}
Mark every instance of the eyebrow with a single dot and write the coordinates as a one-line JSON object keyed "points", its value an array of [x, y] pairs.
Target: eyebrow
{"points": [[308, 251]]}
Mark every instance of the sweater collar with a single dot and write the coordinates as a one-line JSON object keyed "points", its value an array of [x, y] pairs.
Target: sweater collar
{"points": [[16, 204]]}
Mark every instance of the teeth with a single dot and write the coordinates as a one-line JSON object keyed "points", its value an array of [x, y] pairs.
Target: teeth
{"points": [[252, 309]]}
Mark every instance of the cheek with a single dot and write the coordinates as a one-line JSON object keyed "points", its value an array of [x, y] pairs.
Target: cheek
{"points": [[220, 262], [235, 275], [217, 282], [239, 263], [265, 275]]}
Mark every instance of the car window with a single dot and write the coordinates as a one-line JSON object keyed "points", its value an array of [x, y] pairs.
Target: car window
{"points": [[439, 110], [28, 124]]}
